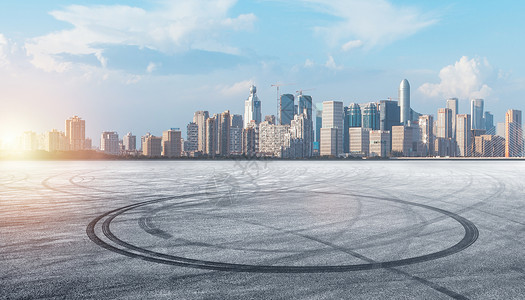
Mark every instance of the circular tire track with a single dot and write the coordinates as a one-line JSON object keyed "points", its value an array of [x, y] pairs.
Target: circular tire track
{"points": [[471, 235]]}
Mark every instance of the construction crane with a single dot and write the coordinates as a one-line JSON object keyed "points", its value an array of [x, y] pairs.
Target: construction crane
{"points": [[277, 85], [300, 92]]}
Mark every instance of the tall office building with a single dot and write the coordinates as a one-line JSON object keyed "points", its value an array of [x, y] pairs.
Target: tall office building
{"points": [[513, 134], [223, 133], [388, 115], [304, 102], [250, 139], [453, 104], [489, 146], [76, 133], [426, 123], [488, 121], [55, 141], [252, 108], [379, 143], [171, 143], [151, 145], [211, 136], [405, 140], [236, 121], [286, 109], [476, 114], [109, 143], [200, 118], [370, 117], [130, 142], [359, 141], [301, 129], [404, 102], [354, 115], [236, 141], [463, 135], [444, 123], [332, 130], [192, 137]]}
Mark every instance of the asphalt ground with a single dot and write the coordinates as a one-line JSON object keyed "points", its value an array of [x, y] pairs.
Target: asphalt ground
{"points": [[262, 229]]}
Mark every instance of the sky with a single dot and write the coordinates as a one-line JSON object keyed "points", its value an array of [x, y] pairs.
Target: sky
{"points": [[146, 66]]}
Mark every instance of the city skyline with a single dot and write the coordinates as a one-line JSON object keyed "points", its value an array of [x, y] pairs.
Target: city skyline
{"points": [[115, 82]]}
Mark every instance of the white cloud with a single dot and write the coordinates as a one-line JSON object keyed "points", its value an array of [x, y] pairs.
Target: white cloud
{"points": [[308, 63], [151, 67], [237, 89], [369, 23], [174, 26], [4, 45], [330, 64], [352, 45], [464, 79]]}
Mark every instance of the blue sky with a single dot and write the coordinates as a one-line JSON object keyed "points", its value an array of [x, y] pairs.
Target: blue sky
{"points": [[146, 66]]}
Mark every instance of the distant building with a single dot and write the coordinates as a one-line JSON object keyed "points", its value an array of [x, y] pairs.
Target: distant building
{"points": [[332, 130], [223, 133], [476, 111], [130, 142], [250, 139], [452, 104], [359, 141], [426, 123], [252, 108], [273, 139], [305, 103], [109, 142], [463, 135], [88, 144], [270, 119], [211, 136], [76, 133], [236, 121], [500, 129], [404, 102], [152, 146], [379, 143], [444, 123], [370, 117], [200, 118], [388, 115], [236, 141], [29, 141], [192, 137], [513, 134], [488, 120], [318, 122], [286, 109], [405, 140], [55, 141], [489, 146], [302, 136], [171, 143], [444, 146]]}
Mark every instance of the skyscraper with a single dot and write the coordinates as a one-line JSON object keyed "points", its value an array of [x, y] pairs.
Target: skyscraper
{"points": [[379, 143], [200, 118], [252, 108], [304, 102], [388, 115], [488, 120], [444, 123], [192, 137], [250, 139], [211, 136], [223, 134], [130, 142], [301, 130], [476, 112], [354, 115], [76, 133], [405, 140], [109, 143], [359, 141], [513, 134], [236, 121], [404, 102], [463, 135], [452, 104], [370, 117], [273, 139], [171, 145], [151, 145], [286, 109], [332, 130], [426, 123]]}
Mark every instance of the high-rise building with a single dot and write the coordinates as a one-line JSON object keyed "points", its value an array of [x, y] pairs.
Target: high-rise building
{"points": [[55, 141], [304, 102], [171, 143], [109, 143], [211, 136], [489, 146], [76, 133], [359, 141], [273, 139], [302, 135], [476, 114], [332, 130], [426, 123], [388, 115], [192, 137], [252, 108], [453, 104], [405, 140], [223, 133], [379, 143], [444, 123], [29, 141], [250, 139], [463, 135], [200, 118], [88, 144], [370, 117], [354, 115], [488, 120], [236, 141], [286, 109], [404, 102], [236, 121], [130, 142], [444, 146], [151, 146], [270, 119], [513, 134]]}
